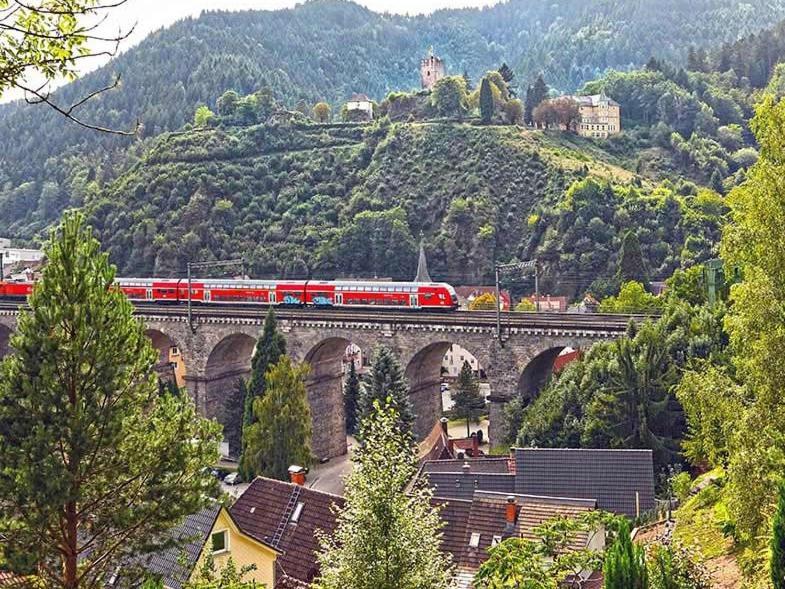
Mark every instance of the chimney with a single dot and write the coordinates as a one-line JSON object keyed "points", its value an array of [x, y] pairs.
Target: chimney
{"points": [[297, 475], [511, 513], [475, 445], [466, 468], [444, 421]]}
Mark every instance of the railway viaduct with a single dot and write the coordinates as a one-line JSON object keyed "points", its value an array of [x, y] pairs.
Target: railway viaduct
{"points": [[217, 347]]}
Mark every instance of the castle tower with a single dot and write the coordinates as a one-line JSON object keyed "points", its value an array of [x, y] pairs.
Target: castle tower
{"points": [[431, 70]]}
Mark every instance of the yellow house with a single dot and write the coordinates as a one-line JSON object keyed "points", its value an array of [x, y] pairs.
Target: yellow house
{"points": [[600, 116], [274, 526], [226, 541]]}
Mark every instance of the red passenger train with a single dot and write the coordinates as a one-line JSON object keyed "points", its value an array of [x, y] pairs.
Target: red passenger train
{"points": [[282, 293]]}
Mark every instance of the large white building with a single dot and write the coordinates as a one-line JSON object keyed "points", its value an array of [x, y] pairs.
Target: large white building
{"points": [[454, 359], [13, 257]]}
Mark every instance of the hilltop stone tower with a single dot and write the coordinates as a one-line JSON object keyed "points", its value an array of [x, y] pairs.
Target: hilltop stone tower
{"points": [[431, 70]]}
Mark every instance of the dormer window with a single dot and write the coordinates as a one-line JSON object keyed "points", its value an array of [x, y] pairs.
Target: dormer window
{"points": [[474, 541], [298, 510]]}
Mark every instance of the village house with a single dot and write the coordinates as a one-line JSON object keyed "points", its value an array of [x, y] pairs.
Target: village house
{"points": [[359, 108]]}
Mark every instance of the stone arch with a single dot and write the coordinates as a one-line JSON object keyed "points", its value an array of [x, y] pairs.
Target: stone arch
{"points": [[5, 340], [228, 362], [171, 359], [537, 372], [423, 373], [325, 396]]}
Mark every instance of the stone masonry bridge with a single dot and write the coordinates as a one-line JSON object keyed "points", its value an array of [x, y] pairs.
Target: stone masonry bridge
{"points": [[217, 352]]}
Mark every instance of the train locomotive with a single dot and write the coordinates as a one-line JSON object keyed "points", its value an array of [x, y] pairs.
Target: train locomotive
{"points": [[434, 296]]}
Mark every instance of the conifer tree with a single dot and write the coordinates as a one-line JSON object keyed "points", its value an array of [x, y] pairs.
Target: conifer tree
{"points": [[535, 95], [270, 347], [631, 267], [777, 559], [469, 403], [280, 435], [351, 393], [386, 538], [508, 76], [486, 101], [625, 562], [96, 465], [386, 382], [468, 81]]}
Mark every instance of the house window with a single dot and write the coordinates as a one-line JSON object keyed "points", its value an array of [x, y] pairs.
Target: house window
{"points": [[220, 541], [474, 541], [496, 541]]}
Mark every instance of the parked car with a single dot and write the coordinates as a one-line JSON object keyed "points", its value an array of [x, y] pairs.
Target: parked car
{"points": [[233, 478]]}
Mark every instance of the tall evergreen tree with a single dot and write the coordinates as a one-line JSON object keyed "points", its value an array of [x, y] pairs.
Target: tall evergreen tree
{"points": [[469, 403], [631, 267], [351, 393], [386, 382], [386, 538], [625, 563], [777, 559], [508, 76], [486, 101], [535, 94], [270, 347], [96, 465], [468, 81], [280, 435]]}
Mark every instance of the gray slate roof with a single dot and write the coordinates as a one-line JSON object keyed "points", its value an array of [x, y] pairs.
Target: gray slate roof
{"points": [[175, 565], [462, 485], [612, 477]]}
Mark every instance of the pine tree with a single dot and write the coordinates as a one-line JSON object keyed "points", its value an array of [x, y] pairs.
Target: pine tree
{"points": [[486, 101], [281, 433], [351, 392], [631, 267], [625, 562], [269, 349], [386, 381], [469, 403], [777, 559], [386, 538], [535, 95], [508, 76], [90, 452], [468, 81], [716, 181]]}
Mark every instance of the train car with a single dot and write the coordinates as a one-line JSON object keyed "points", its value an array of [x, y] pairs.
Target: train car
{"points": [[395, 295], [16, 290]]}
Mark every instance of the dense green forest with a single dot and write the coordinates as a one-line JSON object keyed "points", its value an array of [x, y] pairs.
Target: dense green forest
{"points": [[302, 55], [353, 200]]}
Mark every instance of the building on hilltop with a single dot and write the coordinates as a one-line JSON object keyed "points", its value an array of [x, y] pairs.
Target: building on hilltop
{"points": [[359, 108], [431, 70], [600, 116]]}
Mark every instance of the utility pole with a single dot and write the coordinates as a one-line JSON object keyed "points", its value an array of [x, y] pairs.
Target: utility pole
{"points": [[216, 264], [2, 270], [501, 268]]}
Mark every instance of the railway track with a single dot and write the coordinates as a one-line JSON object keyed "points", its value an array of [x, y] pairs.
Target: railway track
{"points": [[588, 321]]}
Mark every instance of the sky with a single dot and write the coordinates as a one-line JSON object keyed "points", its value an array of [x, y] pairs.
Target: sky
{"points": [[147, 16]]}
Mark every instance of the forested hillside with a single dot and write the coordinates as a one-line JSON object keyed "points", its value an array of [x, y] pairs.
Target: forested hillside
{"points": [[353, 200], [302, 54]]}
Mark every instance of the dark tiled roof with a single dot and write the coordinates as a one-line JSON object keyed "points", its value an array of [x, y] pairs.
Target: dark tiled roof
{"points": [[612, 477], [260, 510], [455, 515], [486, 518], [175, 565], [486, 465], [11, 580], [462, 485]]}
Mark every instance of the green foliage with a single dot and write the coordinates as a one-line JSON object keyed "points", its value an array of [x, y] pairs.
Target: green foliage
{"points": [[535, 94], [777, 561], [625, 563], [619, 394], [544, 562], [513, 112], [469, 403], [270, 347], [632, 298], [449, 97], [280, 435], [90, 450], [203, 116], [208, 576], [321, 112], [386, 538], [631, 266], [386, 385], [351, 395], [486, 101], [675, 567]]}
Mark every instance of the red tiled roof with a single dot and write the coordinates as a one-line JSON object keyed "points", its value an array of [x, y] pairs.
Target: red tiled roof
{"points": [[535, 511], [487, 518], [262, 508], [9, 579]]}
